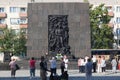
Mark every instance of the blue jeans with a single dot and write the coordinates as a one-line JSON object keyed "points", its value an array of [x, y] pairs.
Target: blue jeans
{"points": [[88, 77], [32, 72]]}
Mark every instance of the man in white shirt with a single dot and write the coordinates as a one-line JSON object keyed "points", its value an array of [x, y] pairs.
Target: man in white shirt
{"points": [[94, 60], [66, 62]]}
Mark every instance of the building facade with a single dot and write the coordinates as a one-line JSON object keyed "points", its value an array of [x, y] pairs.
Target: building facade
{"points": [[13, 14]]}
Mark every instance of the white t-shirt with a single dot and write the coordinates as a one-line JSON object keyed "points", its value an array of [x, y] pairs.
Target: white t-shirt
{"points": [[66, 63], [94, 59]]}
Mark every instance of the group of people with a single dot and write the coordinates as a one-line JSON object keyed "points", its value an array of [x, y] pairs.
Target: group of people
{"points": [[101, 64], [53, 67], [86, 65], [63, 67], [43, 67], [81, 64], [98, 64]]}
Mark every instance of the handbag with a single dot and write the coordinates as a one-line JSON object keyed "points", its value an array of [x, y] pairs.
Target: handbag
{"points": [[17, 67]]}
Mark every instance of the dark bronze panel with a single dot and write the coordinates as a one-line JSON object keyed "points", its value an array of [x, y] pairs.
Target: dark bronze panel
{"points": [[58, 34]]}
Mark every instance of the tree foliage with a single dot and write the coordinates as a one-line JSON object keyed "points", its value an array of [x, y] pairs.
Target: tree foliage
{"points": [[101, 33], [6, 40], [12, 42], [19, 43]]}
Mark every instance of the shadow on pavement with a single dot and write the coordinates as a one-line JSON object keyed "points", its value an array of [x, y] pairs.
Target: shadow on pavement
{"points": [[70, 78]]}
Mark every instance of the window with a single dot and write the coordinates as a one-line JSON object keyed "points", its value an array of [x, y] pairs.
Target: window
{"points": [[118, 31], [118, 9], [2, 21], [23, 21], [14, 9], [22, 9], [118, 20], [15, 21], [2, 9]]}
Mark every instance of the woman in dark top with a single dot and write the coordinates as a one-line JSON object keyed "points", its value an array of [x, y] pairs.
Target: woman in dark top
{"points": [[62, 66], [43, 68]]}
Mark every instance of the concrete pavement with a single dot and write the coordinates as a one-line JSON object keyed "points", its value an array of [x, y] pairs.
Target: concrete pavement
{"points": [[73, 75]]}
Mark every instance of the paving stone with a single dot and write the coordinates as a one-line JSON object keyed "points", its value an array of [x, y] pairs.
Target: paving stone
{"points": [[73, 75]]}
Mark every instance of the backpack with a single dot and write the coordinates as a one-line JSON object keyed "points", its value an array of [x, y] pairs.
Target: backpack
{"points": [[17, 67]]}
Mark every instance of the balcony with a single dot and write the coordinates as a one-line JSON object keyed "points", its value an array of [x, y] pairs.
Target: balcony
{"points": [[111, 13], [3, 15], [3, 25], [23, 14], [23, 25]]}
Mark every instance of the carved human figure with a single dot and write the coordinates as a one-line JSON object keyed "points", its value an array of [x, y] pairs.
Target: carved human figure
{"points": [[58, 33]]}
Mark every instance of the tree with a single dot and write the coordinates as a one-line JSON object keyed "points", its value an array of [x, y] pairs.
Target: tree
{"points": [[101, 33], [12, 42], [19, 43], [6, 40]]}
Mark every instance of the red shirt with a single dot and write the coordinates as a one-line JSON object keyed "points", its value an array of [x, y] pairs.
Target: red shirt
{"points": [[32, 63]]}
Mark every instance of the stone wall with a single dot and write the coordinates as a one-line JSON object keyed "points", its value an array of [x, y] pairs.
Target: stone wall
{"points": [[78, 23]]}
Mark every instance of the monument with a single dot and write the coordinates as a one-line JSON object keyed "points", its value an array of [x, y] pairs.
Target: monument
{"points": [[59, 27]]}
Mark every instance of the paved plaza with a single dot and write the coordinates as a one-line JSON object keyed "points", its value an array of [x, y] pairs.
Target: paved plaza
{"points": [[73, 75]]}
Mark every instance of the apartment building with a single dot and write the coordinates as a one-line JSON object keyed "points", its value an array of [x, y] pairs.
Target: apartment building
{"points": [[13, 13]]}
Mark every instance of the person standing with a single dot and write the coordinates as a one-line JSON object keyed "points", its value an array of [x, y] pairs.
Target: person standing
{"points": [[119, 64], [79, 65], [114, 65], [53, 66], [43, 68], [88, 69], [86, 59], [66, 62], [62, 66], [13, 67], [99, 69], [32, 67], [103, 64], [94, 60], [83, 65]]}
